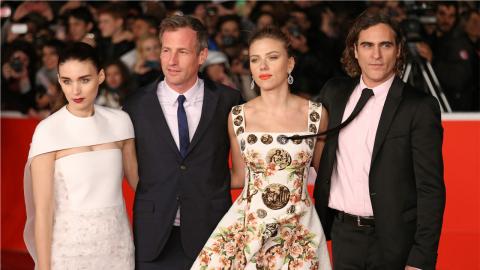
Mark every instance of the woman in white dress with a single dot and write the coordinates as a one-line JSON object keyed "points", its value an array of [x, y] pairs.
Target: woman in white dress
{"points": [[273, 223], [76, 216]]}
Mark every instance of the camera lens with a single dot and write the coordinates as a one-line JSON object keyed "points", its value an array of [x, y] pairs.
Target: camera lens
{"points": [[16, 64]]}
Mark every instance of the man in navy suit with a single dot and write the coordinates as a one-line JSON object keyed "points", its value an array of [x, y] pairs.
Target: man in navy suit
{"points": [[182, 145], [379, 191]]}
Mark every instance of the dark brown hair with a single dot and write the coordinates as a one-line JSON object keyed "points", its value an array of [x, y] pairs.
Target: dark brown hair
{"points": [[176, 22], [273, 33], [363, 22]]}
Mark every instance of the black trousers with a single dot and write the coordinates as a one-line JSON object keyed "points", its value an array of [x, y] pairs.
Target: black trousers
{"points": [[172, 257], [355, 248]]}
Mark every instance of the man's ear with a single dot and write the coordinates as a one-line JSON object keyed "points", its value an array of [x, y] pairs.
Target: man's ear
{"points": [[355, 51], [202, 56]]}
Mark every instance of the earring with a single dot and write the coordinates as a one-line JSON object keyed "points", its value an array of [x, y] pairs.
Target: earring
{"points": [[290, 78], [252, 84]]}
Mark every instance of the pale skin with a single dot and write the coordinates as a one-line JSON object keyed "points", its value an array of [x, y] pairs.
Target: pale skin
{"points": [[377, 52], [79, 80], [276, 109], [180, 58]]}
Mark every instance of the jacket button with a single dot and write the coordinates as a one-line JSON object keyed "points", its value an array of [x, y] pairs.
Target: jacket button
{"points": [[183, 167], [373, 194]]}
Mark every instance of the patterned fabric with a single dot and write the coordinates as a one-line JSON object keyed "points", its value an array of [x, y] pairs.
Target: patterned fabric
{"points": [[272, 224]]}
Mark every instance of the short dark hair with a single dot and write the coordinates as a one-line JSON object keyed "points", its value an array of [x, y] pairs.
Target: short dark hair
{"points": [[79, 51], [364, 21], [176, 22], [56, 44], [81, 13], [273, 33], [447, 4], [227, 18], [150, 20], [116, 10]]}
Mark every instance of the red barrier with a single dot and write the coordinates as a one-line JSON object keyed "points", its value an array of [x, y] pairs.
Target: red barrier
{"points": [[459, 243]]}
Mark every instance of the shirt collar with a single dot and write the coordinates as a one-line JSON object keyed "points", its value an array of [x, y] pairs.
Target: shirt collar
{"points": [[379, 90], [170, 96]]}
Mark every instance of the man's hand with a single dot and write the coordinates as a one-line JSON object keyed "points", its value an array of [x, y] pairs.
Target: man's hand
{"points": [[424, 51]]}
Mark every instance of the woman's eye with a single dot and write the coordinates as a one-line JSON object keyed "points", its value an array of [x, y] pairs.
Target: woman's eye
{"points": [[67, 82], [85, 80]]}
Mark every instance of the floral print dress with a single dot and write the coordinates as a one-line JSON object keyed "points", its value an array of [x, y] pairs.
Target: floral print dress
{"points": [[272, 224]]}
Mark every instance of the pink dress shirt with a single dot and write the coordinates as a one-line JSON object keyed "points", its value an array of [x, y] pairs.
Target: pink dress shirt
{"points": [[349, 190]]}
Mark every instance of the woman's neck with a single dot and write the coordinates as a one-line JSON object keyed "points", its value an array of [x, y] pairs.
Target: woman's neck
{"points": [[275, 100]]}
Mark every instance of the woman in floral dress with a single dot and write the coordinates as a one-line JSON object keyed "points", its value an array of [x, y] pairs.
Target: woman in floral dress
{"points": [[272, 224]]}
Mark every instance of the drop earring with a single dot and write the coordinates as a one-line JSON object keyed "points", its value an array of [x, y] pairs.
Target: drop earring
{"points": [[290, 78]]}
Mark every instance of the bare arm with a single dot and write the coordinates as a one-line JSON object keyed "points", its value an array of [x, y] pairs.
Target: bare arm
{"points": [[317, 153], [42, 169], [130, 165], [238, 166]]}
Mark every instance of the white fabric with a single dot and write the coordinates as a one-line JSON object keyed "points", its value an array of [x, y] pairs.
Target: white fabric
{"points": [[193, 108], [88, 182]]}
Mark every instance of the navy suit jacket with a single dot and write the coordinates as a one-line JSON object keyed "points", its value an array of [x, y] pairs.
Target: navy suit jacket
{"points": [[198, 183]]}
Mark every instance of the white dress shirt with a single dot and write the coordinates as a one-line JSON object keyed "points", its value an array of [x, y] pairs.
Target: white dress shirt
{"points": [[193, 108]]}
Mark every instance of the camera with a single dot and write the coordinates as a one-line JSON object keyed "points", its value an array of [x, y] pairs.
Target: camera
{"points": [[19, 28], [16, 64], [418, 15], [229, 41], [295, 31], [152, 64], [212, 11]]}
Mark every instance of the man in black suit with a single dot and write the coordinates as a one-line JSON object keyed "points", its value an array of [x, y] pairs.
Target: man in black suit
{"points": [[380, 191], [182, 147]]}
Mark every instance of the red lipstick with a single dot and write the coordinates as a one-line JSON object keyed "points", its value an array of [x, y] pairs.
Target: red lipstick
{"points": [[78, 100], [264, 76]]}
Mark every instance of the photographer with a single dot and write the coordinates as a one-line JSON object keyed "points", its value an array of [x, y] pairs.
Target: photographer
{"points": [[453, 59], [311, 72], [17, 77], [147, 68]]}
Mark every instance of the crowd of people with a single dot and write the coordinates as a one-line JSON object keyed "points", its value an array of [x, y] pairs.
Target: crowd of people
{"points": [[126, 36]]}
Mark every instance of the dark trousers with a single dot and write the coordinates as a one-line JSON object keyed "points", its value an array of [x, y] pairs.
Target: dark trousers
{"points": [[172, 257], [355, 248]]}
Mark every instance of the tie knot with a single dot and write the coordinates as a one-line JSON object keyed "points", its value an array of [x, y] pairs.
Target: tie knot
{"points": [[367, 92], [181, 99]]}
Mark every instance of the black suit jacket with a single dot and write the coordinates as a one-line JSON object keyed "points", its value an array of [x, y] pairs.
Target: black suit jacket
{"points": [[200, 183], [406, 183]]}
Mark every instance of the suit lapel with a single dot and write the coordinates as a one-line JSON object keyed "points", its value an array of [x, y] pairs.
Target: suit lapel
{"points": [[156, 118], [210, 100], [394, 97]]}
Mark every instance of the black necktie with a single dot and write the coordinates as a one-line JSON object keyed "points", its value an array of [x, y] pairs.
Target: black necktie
{"points": [[182, 126], [367, 93]]}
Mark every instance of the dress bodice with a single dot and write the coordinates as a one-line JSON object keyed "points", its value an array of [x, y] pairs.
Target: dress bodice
{"points": [[85, 181], [273, 224], [275, 166]]}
